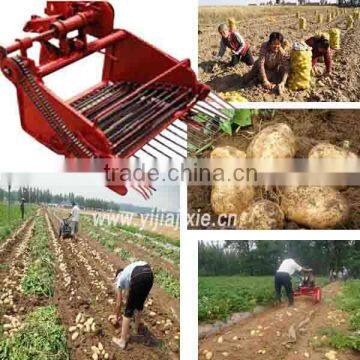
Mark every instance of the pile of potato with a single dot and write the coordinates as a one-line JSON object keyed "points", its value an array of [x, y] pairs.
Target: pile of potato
{"points": [[12, 326], [82, 324], [317, 207]]}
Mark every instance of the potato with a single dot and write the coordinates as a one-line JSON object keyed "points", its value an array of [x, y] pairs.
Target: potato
{"points": [[274, 141], [230, 197], [262, 215], [314, 206], [330, 151]]}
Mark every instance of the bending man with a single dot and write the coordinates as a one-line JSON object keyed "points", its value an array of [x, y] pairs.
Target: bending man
{"points": [[137, 280], [283, 278]]}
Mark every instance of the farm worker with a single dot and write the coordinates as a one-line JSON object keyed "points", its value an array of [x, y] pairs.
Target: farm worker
{"points": [[321, 48], [137, 280], [273, 66], [75, 218], [345, 273], [22, 208], [239, 47], [283, 278]]}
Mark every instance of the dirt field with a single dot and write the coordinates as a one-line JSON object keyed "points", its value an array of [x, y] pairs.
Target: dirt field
{"points": [[310, 128], [255, 24], [90, 267], [265, 336]]}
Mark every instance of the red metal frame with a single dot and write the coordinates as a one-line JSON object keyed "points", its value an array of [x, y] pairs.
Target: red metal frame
{"points": [[127, 58]]}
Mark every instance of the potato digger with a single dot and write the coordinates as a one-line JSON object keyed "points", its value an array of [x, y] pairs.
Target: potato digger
{"points": [[308, 287]]}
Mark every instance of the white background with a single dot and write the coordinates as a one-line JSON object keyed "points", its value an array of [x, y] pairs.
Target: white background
{"points": [[172, 26], [169, 25]]}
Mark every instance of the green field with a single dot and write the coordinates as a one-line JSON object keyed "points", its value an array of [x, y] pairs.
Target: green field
{"points": [[221, 296], [7, 227]]}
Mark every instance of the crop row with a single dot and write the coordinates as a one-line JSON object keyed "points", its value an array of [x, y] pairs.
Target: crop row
{"points": [[10, 218], [113, 242], [112, 234], [221, 296], [39, 276]]}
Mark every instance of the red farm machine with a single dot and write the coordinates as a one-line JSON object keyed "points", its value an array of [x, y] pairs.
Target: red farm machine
{"points": [[134, 107], [307, 287]]}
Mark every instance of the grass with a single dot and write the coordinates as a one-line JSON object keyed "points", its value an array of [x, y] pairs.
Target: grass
{"points": [[113, 242], [42, 338], [349, 301], [39, 276], [159, 237], [6, 226], [221, 296], [168, 283]]}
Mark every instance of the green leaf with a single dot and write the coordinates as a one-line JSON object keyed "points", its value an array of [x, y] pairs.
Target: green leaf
{"points": [[242, 117], [226, 127]]}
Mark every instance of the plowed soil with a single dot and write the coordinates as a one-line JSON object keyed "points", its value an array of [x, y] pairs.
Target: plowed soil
{"points": [[91, 291], [255, 24], [266, 335]]}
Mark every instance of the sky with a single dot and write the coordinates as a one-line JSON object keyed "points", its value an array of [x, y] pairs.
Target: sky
{"points": [[166, 198]]}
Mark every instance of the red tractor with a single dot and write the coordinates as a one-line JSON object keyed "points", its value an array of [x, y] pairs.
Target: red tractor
{"points": [[307, 287]]}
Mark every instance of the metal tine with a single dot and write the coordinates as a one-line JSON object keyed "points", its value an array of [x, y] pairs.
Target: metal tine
{"points": [[159, 151], [115, 96], [149, 153], [140, 191], [179, 128], [195, 112], [208, 103], [118, 116], [169, 109], [103, 100], [176, 134], [171, 149], [166, 111], [82, 100], [174, 142], [97, 94], [137, 93], [220, 101], [137, 113], [193, 136], [210, 112], [125, 105]]}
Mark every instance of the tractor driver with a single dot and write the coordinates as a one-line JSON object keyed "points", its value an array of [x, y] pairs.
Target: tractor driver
{"points": [[283, 278]]}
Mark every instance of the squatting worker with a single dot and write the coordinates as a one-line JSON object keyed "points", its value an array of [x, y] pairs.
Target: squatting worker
{"points": [[273, 65], [75, 218], [320, 46], [136, 280], [283, 278], [239, 47]]}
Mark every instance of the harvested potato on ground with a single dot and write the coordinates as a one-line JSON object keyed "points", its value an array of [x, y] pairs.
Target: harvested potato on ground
{"points": [[262, 215], [314, 206], [334, 154], [275, 141], [230, 197], [327, 150]]}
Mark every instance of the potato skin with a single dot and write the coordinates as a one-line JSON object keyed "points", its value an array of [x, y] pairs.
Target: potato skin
{"points": [[330, 151], [314, 206], [230, 198], [274, 141], [262, 215]]}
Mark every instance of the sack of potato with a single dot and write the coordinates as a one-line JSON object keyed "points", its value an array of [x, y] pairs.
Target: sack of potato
{"points": [[314, 206], [230, 197], [262, 215]]}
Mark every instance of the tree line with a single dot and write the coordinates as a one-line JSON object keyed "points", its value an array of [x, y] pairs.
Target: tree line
{"points": [[259, 257], [39, 196]]}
